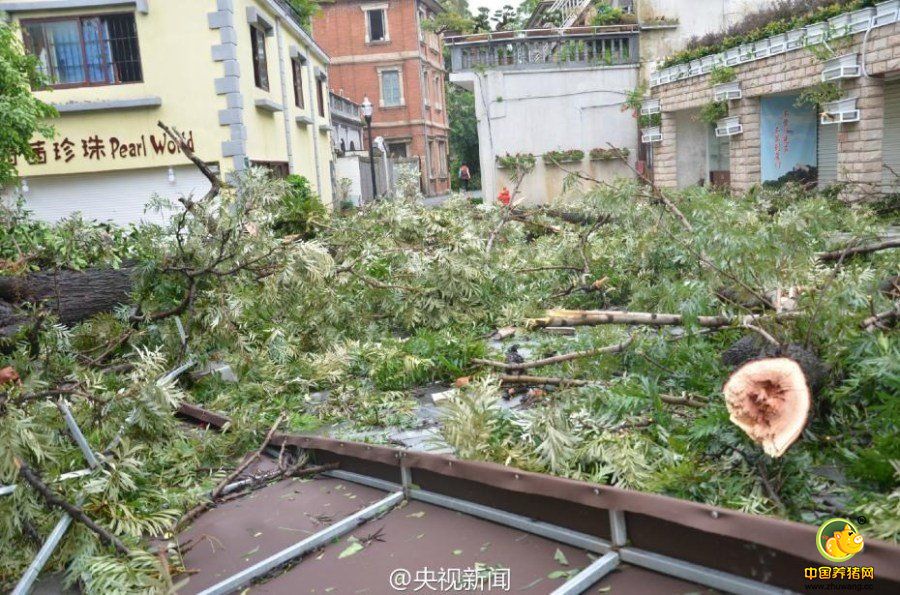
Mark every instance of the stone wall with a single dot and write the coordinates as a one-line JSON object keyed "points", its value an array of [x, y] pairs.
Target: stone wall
{"points": [[860, 160]]}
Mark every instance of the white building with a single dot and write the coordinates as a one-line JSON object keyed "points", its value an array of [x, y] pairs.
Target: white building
{"points": [[561, 88]]}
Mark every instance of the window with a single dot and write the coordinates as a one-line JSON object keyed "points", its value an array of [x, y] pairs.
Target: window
{"points": [[320, 96], [260, 66], [437, 90], [442, 158], [81, 51], [376, 25], [297, 69], [397, 149], [391, 91]]}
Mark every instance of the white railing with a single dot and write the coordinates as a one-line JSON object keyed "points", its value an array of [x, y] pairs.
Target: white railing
{"points": [[576, 46]]}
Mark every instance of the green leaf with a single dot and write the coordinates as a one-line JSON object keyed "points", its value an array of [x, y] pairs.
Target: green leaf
{"points": [[560, 557], [351, 549]]}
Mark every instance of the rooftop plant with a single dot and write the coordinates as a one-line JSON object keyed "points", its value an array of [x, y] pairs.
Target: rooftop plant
{"points": [[609, 154], [713, 111], [563, 156], [780, 17]]}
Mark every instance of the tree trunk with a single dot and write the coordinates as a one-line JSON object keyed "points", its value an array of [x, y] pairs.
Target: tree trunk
{"points": [[71, 295]]}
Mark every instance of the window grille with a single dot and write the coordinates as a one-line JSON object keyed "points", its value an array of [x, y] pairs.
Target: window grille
{"points": [[84, 51]]}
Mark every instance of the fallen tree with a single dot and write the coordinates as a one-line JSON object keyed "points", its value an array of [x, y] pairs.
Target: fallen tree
{"points": [[599, 317]]}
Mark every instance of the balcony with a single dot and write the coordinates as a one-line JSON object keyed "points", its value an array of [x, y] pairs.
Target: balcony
{"points": [[343, 109], [574, 47]]}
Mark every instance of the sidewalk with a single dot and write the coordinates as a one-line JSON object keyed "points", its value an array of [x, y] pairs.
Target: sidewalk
{"points": [[434, 201]]}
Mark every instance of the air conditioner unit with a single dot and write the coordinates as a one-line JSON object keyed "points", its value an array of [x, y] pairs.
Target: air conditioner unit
{"points": [[842, 67], [694, 67], [778, 44], [651, 135], [654, 78], [840, 111], [761, 49], [745, 52], [649, 107], [860, 20], [729, 126], [886, 13], [795, 38], [708, 63], [839, 25], [732, 56], [816, 32], [727, 91]]}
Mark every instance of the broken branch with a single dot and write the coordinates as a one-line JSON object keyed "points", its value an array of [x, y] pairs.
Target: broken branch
{"points": [[857, 250], [557, 359], [597, 317], [32, 478]]}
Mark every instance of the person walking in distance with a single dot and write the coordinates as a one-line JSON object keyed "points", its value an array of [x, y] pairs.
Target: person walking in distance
{"points": [[464, 176]]}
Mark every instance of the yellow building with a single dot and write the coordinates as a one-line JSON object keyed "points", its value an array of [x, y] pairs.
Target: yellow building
{"points": [[239, 78]]}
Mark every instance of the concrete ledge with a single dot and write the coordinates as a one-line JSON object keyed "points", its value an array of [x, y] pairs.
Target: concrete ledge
{"points": [[234, 101], [294, 52], [267, 105], [254, 17], [228, 84], [230, 116], [223, 52], [219, 19], [232, 148], [303, 121], [141, 6], [78, 107], [325, 128]]}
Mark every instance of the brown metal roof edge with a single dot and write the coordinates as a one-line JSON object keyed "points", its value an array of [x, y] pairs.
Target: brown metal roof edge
{"points": [[787, 536]]}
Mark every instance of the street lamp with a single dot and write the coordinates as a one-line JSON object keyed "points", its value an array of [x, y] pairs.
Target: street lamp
{"points": [[367, 114]]}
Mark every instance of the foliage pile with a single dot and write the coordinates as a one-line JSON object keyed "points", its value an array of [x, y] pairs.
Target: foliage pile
{"points": [[337, 320]]}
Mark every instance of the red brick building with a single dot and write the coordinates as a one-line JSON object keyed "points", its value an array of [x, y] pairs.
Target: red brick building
{"points": [[379, 49]]}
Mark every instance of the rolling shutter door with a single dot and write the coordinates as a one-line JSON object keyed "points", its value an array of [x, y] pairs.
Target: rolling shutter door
{"points": [[827, 154], [891, 139], [118, 196]]}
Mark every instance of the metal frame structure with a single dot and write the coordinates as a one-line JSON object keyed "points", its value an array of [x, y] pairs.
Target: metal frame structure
{"points": [[613, 552]]}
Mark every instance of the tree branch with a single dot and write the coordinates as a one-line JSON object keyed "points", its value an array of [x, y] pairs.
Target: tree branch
{"points": [[32, 478]]}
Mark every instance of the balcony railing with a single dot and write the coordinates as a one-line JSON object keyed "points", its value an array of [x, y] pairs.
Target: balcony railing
{"points": [[545, 48], [341, 107]]}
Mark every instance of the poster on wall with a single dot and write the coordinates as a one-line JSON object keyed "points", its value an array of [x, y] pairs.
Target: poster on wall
{"points": [[788, 135]]}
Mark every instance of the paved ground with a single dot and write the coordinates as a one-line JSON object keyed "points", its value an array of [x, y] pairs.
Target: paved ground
{"points": [[434, 201]]}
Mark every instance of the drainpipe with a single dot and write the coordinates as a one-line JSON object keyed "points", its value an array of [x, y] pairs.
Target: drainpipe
{"points": [[288, 141], [423, 61], [314, 111]]}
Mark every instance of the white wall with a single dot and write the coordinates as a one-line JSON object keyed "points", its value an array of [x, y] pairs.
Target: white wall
{"points": [[118, 196], [348, 167], [535, 111], [691, 138]]}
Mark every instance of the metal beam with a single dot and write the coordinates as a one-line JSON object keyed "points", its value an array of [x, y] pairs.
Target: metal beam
{"points": [[583, 581], [501, 517], [300, 548], [730, 583], [372, 482], [77, 435], [617, 527]]}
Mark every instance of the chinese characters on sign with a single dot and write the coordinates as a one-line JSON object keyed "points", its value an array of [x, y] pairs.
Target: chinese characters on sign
{"points": [[95, 148], [787, 141], [853, 573], [479, 579]]}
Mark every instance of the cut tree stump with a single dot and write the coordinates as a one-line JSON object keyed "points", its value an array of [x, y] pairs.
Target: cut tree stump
{"points": [[769, 400]]}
